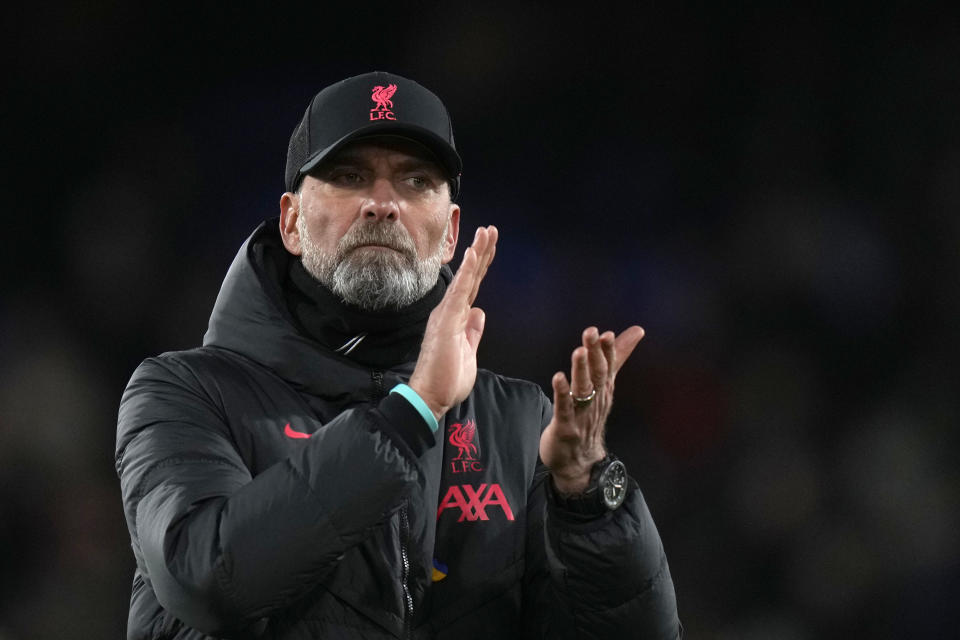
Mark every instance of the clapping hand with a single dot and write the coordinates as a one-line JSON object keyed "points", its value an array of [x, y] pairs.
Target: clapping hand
{"points": [[574, 439], [447, 366]]}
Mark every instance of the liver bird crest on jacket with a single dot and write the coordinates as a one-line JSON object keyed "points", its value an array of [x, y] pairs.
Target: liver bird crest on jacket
{"points": [[461, 436], [381, 95]]}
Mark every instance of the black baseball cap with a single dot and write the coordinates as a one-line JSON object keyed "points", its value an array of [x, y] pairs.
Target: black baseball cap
{"points": [[376, 103]]}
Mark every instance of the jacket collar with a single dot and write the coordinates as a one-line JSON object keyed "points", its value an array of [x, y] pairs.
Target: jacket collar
{"points": [[252, 316], [378, 339]]}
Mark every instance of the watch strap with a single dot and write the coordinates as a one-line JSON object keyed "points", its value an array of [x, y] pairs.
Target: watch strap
{"points": [[599, 497]]}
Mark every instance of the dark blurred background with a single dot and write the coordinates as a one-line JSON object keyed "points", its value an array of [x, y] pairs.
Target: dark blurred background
{"points": [[773, 193]]}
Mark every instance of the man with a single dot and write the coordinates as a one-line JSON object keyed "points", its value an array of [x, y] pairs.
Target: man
{"points": [[332, 464]]}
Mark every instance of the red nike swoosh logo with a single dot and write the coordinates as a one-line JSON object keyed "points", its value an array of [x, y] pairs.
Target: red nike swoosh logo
{"points": [[290, 433]]}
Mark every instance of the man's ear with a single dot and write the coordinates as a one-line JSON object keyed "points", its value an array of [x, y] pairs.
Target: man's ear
{"points": [[289, 213], [453, 232]]}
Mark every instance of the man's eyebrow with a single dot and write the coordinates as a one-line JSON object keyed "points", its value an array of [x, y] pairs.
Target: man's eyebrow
{"points": [[419, 163], [353, 159]]}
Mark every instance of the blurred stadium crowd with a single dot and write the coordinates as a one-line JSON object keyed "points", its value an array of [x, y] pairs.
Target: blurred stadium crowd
{"points": [[773, 194]]}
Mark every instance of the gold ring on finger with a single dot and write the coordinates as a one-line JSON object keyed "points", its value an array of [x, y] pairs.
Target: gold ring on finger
{"points": [[579, 402]]}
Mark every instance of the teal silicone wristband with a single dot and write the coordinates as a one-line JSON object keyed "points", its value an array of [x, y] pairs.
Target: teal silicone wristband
{"points": [[414, 399]]}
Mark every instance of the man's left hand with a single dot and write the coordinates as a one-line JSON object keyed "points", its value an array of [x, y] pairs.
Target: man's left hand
{"points": [[574, 439]]}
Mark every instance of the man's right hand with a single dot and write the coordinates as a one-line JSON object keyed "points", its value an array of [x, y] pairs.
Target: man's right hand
{"points": [[447, 366]]}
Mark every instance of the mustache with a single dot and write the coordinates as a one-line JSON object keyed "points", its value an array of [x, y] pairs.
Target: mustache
{"points": [[385, 234]]}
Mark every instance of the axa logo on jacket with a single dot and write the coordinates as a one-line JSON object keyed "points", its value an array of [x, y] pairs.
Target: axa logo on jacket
{"points": [[473, 502]]}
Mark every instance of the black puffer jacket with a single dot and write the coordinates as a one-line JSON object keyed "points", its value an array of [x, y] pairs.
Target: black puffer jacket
{"points": [[274, 489]]}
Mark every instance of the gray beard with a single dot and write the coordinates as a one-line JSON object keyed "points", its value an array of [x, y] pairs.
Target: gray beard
{"points": [[373, 279]]}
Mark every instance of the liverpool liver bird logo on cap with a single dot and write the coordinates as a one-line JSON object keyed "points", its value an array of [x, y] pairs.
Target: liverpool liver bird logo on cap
{"points": [[381, 95]]}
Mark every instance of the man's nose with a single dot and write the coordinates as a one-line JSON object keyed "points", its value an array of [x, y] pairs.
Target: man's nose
{"points": [[381, 202]]}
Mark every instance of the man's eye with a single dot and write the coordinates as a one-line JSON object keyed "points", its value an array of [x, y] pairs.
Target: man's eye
{"points": [[418, 182], [347, 178]]}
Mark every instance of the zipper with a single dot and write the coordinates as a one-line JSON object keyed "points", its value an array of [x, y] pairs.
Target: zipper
{"points": [[378, 393], [377, 377], [405, 574]]}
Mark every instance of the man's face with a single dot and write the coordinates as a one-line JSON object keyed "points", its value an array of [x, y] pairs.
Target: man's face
{"points": [[373, 223]]}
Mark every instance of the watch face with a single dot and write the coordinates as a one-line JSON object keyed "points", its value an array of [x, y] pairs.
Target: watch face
{"points": [[613, 484]]}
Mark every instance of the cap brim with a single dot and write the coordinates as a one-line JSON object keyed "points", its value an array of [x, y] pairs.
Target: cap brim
{"points": [[448, 158]]}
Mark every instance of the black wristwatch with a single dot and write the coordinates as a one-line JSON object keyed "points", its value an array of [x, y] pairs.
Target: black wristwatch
{"points": [[606, 491]]}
